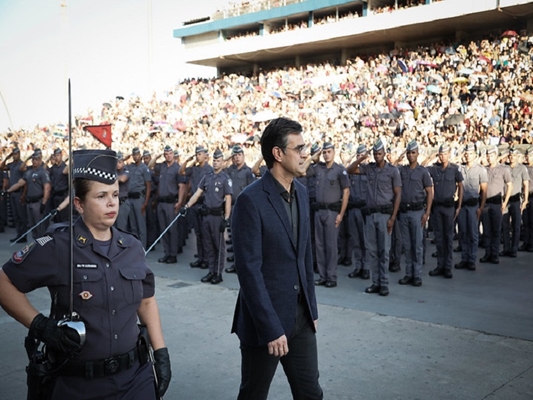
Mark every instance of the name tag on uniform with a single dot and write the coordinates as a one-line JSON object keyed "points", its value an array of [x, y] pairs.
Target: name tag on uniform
{"points": [[86, 266]]}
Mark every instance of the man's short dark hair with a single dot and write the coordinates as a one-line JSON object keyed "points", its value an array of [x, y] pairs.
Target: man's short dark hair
{"points": [[276, 134]]}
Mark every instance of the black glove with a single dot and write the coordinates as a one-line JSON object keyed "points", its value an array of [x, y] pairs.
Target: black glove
{"points": [[41, 209], [223, 225], [162, 370], [183, 211], [53, 212], [60, 338]]}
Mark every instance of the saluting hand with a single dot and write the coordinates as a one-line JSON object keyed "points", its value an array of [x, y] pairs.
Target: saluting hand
{"points": [[278, 347]]}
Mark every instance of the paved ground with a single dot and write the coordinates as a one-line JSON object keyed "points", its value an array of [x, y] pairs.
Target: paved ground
{"points": [[470, 337]]}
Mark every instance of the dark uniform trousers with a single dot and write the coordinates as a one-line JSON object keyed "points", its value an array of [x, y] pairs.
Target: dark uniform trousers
{"points": [[468, 232], [356, 245], [377, 246], [123, 215], [165, 215], [412, 240], [214, 243], [326, 236], [152, 223], [300, 364], [137, 220], [395, 254], [511, 221], [20, 215], [444, 224], [344, 239], [527, 223], [57, 199], [196, 221], [34, 216], [492, 223]]}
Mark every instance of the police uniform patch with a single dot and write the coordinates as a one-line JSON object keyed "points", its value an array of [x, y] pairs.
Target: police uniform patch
{"points": [[82, 239], [43, 240], [21, 255], [230, 183], [86, 266], [85, 295]]}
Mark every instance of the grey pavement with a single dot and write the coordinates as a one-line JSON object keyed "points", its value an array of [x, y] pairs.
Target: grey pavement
{"points": [[470, 337]]}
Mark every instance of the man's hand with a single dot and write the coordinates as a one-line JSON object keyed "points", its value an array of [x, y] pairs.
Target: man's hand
{"points": [[278, 347], [338, 220], [523, 206], [390, 225], [479, 211], [425, 218], [457, 211]]}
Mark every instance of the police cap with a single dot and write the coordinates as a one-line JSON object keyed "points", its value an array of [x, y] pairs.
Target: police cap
{"points": [[218, 154], [200, 149], [470, 147], [379, 145], [237, 150], [412, 146], [146, 153], [57, 151], [327, 145], [444, 148], [135, 150], [37, 153], [95, 165]]}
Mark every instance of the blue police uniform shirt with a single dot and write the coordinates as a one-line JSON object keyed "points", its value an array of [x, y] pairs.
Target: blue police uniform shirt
{"points": [[169, 179], [330, 182], [414, 183], [35, 180], [123, 187], [473, 178], [139, 175], [58, 179], [108, 285], [358, 188], [15, 174], [195, 174], [215, 187], [445, 180], [381, 183], [240, 178]]}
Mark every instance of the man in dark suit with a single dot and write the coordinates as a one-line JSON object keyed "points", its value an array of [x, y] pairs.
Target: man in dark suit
{"points": [[276, 312]]}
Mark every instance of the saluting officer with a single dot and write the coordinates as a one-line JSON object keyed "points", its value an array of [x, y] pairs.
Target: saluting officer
{"points": [[194, 175], [18, 207], [474, 198], [36, 192], [499, 189], [123, 190], [356, 221], [382, 204], [241, 176], [512, 216], [217, 187], [332, 196], [168, 204], [447, 180], [527, 215], [139, 194], [415, 208], [59, 180]]}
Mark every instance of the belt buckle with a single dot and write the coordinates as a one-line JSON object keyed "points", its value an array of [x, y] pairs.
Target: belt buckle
{"points": [[111, 366]]}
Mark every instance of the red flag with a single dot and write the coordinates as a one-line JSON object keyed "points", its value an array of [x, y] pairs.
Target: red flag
{"points": [[101, 132]]}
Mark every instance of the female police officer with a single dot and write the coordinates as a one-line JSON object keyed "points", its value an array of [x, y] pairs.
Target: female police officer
{"points": [[112, 287]]}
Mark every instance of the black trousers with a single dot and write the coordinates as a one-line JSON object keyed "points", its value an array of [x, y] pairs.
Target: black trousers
{"points": [[300, 364]]}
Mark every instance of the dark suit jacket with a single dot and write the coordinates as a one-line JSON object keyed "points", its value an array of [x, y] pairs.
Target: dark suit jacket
{"points": [[271, 267]]}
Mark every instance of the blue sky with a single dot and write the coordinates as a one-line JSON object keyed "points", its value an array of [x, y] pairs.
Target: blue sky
{"points": [[101, 45]]}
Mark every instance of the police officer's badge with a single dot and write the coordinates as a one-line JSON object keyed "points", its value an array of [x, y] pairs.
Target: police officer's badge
{"points": [[85, 295], [21, 255], [82, 239]]}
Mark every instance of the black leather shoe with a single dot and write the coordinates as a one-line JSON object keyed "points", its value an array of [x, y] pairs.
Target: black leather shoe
{"points": [[485, 259], [512, 254], [524, 247], [355, 274], [365, 274], [172, 260], [163, 260], [458, 249], [394, 267], [434, 255], [505, 253], [347, 262], [384, 291], [203, 265], [448, 274], [372, 289], [320, 282], [471, 266], [437, 271], [229, 242], [231, 270], [230, 259], [230, 249], [196, 264], [494, 260], [406, 280], [180, 250], [340, 260], [216, 279], [461, 265], [208, 277], [331, 284], [417, 282]]}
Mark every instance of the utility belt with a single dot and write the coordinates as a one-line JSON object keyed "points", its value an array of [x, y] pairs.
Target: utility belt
{"points": [[444, 203], [404, 207], [212, 211], [514, 197], [387, 209], [59, 192], [494, 199], [357, 204], [33, 199], [327, 206], [473, 201], [136, 195], [167, 199], [122, 200]]}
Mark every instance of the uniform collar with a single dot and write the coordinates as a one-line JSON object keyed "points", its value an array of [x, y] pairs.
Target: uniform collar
{"points": [[84, 238]]}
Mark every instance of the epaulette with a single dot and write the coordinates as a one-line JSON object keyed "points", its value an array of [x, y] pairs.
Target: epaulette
{"points": [[58, 227]]}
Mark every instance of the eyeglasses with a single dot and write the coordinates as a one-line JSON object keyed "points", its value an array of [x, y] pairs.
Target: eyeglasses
{"points": [[301, 149]]}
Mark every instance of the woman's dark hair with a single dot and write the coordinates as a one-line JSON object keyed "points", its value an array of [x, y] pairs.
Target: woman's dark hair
{"points": [[276, 135], [81, 187]]}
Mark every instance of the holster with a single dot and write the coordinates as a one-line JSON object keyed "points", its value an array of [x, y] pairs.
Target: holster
{"points": [[143, 345], [40, 378]]}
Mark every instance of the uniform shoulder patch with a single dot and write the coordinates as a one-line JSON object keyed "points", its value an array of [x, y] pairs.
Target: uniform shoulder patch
{"points": [[43, 240], [19, 256], [230, 183]]}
